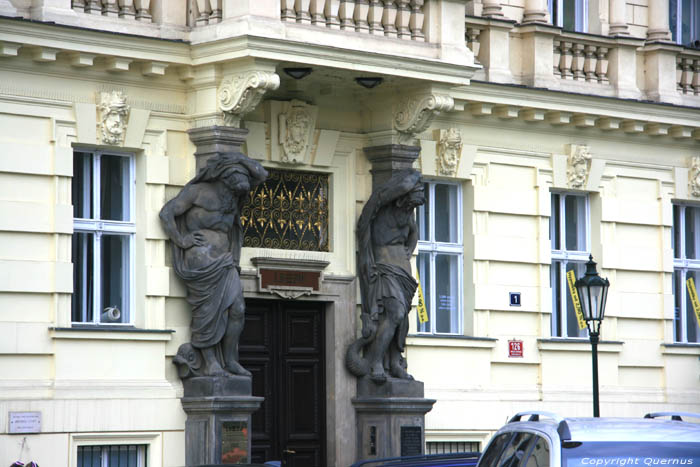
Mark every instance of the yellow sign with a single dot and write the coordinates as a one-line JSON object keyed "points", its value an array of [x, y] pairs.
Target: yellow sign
{"points": [[690, 283], [571, 279], [422, 311]]}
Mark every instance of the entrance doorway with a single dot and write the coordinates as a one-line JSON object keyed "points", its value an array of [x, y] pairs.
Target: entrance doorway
{"points": [[282, 345]]}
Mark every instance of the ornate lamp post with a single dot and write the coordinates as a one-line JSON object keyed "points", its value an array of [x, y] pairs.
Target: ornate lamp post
{"points": [[593, 292]]}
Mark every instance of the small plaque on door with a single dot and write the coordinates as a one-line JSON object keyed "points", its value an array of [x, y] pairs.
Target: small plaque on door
{"points": [[289, 278], [411, 441]]}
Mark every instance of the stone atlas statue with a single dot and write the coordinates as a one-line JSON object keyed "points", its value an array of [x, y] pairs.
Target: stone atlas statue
{"points": [[387, 235], [204, 226]]}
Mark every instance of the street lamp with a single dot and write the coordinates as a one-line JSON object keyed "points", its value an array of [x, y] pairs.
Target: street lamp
{"points": [[593, 292]]}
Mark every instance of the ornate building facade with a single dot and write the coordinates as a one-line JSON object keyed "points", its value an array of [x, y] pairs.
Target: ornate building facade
{"points": [[548, 131]]}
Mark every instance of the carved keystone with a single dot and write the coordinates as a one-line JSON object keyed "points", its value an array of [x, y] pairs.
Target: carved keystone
{"points": [[240, 94]]}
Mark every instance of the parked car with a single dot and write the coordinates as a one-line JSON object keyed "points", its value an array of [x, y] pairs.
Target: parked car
{"points": [[546, 440], [458, 459]]}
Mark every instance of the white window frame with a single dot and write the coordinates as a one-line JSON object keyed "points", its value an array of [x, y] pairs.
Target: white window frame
{"points": [[694, 15], [565, 256], [434, 248], [683, 265], [153, 443], [98, 227], [581, 14]]}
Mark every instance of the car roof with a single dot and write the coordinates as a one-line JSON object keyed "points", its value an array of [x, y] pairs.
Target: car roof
{"points": [[611, 429]]}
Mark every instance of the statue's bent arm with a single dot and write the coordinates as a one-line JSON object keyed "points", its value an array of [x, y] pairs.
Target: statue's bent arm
{"points": [[177, 207]]}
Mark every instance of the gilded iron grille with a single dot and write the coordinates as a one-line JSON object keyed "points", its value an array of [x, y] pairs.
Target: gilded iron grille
{"points": [[288, 211]]}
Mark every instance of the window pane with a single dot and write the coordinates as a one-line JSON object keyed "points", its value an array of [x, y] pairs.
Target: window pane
{"points": [[89, 456], [690, 318], [555, 278], [115, 264], [82, 258], [447, 300], [495, 448], [423, 215], [572, 329], [82, 185], [575, 227], [114, 189], [676, 238], [539, 457], [516, 450], [678, 294], [425, 282], [686, 24], [554, 222], [673, 18], [569, 15], [446, 213], [691, 231]]}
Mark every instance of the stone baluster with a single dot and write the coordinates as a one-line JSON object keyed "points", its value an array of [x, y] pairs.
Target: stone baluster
{"points": [[577, 63], [389, 18], [687, 75], [565, 60], [601, 66], [143, 11], [374, 18], [360, 17], [316, 10], [557, 58], [589, 64], [288, 13], [110, 8], [696, 78], [216, 11], [346, 13], [331, 11], [78, 5], [93, 7], [416, 22], [202, 14], [473, 41], [126, 9], [301, 8], [403, 18]]}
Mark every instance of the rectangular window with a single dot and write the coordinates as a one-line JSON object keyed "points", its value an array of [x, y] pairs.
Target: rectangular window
{"points": [[449, 447], [569, 234], [686, 265], [103, 238], [570, 15], [117, 455], [684, 21], [440, 257]]}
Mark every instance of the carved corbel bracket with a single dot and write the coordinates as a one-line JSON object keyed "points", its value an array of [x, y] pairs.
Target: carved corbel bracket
{"points": [[241, 93], [414, 114], [578, 163], [694, 176]]}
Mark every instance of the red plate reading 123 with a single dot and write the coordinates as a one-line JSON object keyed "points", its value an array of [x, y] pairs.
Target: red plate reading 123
{"points": [[515, 348]]}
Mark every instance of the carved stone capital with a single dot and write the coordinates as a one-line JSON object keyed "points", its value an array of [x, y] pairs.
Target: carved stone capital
{"points": [[449, 151], [241, 93], [694, 176], [578, 165], [414, 114], [113, 112]]}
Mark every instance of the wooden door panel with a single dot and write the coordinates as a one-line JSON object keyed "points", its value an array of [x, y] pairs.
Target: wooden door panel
{"points": [[305, 414]]}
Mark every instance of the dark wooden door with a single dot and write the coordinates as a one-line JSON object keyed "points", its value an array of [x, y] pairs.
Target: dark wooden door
{"points": [[282, 345]]}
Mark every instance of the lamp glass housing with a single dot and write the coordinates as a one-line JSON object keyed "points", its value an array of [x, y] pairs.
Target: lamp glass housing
{"points": [[593, 292]]}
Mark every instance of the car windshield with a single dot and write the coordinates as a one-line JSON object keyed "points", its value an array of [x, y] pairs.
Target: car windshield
{"points": [[626, 454]]}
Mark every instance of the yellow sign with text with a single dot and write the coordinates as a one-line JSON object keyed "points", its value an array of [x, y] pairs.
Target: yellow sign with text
{"points": [[421, 309], [571, 280], [693, 293]]}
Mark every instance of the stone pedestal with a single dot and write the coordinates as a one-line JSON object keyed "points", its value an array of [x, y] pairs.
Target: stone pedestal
{"points": [[214, 140], [390, 418], [218, 427], [388, 159]]}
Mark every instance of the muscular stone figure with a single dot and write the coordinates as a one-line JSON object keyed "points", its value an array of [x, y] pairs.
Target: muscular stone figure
{"points": [[204, 226], [386, 235]]}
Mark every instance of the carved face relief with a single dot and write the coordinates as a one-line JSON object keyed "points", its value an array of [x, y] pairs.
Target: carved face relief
{"points": [[578, 165], [294, 128], [113, 112], [449, 151]]}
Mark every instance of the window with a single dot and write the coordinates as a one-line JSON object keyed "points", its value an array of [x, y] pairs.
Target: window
{"points": [[570, 15], [449, 447], [440, 252], [684, 20], [132, 455], [569, 233], [539, 456], [686, 265], [103, 238]]}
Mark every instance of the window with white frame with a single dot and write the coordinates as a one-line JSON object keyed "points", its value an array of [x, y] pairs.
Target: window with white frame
{"points": [[684, 21], [570, 15], [440, 257], [114, 455], [103, 237], [686, 265], [570, 236]]}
